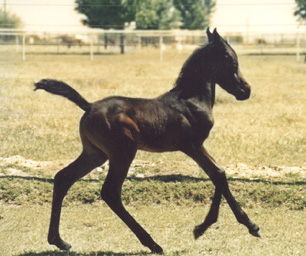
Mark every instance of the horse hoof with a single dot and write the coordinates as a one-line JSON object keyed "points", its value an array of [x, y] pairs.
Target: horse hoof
{"points": [[255, 233], [64, 246], [157, 249], [60, 244], [197, 232]]}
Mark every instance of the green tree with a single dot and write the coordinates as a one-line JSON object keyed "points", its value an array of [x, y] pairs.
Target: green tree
{"points": [[8, 20], [156, 14], [148, 14], [105, 13], [195, 13], [300, 9]]}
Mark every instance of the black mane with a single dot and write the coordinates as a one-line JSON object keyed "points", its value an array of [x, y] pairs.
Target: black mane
{"points": [[194, 73]]}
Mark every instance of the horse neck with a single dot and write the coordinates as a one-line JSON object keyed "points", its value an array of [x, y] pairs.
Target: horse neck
{"points": [[195, 81]]}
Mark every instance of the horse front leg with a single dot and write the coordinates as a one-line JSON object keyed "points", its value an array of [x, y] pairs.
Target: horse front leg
{"points": [[212, 215], [240, 215], [218, 177]]}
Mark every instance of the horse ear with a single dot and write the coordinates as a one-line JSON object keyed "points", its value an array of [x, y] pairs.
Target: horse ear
{"points": [[209, 35], [216, 36]]}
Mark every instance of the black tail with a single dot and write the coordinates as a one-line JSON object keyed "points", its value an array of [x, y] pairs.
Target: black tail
{"points": [[63, 89]]}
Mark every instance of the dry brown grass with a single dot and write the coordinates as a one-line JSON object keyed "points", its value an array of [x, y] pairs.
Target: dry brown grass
{"points": [[268, 129]]}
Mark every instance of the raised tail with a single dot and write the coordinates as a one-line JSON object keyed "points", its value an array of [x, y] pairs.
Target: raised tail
{"points": [[63, 89]]}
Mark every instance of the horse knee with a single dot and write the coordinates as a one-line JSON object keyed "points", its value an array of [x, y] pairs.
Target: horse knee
{"points": [[59, 180], [105, 195], [109, 194], [219, 178], [62, 183]]}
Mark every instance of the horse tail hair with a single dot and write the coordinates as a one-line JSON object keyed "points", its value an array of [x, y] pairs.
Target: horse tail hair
{"points": [[63, 89]]}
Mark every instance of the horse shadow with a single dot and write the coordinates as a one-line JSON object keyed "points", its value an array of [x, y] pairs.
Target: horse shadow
{"points": [[166, 179], [69, 253], [108, 253]]}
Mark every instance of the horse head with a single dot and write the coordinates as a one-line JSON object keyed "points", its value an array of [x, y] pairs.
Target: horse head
{"points": [[225, 67]]}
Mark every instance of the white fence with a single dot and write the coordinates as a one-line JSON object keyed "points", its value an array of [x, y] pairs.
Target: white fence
{"points": [[115, 41]]}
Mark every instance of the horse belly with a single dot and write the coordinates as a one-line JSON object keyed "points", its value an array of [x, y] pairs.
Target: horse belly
{"points": [[161, 138], [175, 139]]}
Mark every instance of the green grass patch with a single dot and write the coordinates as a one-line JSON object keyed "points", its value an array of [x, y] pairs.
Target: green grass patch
{"points": [[175, 189]]}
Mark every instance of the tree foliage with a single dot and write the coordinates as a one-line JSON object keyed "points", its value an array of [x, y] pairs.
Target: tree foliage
{"points": [[195, 13], [156, 14], [103, 13], [147, 14], [300, 9], [8, 20]]}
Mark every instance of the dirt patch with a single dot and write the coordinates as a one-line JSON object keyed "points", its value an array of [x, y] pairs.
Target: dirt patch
{"points": [[19, 166], [273, 172]]}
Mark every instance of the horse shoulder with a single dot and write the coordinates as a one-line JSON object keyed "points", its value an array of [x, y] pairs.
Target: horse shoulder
{"points": [[200, 115]]}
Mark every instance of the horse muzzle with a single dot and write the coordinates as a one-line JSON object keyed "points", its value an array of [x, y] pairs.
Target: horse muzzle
{"points": [[243, 93]]}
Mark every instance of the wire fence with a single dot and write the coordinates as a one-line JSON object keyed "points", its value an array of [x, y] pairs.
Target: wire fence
{"points": [[23, 43]]}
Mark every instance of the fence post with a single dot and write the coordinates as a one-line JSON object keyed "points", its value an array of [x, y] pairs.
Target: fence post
{"points": [[298, 41], [91, 49], [161, 48], [139, 42], [17, 43], [23, 47], [261, 45], [105, 41], [122, 37], [58, 45]]}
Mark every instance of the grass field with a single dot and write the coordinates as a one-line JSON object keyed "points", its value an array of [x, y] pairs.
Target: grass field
{"points": [[262, 142], [265, 130]]}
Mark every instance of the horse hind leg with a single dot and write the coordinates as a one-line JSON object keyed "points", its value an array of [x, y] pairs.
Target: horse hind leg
{"points": [[63, 180]]}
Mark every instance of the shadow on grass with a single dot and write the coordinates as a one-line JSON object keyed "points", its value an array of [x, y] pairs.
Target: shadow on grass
{"points": [[13, 177], [69, 253], [167, 179], [75, 53], [191, 179], [268, 182]]}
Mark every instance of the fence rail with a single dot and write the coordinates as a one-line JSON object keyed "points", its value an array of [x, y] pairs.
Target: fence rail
{"points": [[125, 40]]}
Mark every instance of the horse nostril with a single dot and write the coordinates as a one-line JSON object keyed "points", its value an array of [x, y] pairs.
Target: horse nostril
{"points": [[247, 88], [247, 92]]}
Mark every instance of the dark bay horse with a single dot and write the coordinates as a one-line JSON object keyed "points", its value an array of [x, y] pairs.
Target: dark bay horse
{"points": [[180, 120]]}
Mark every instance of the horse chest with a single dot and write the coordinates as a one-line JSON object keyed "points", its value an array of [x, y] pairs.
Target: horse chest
{"points": [[200, 121], [198, 133]]}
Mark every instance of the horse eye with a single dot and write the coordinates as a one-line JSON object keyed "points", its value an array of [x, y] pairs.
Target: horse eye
{"points": [[235, 67]]}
